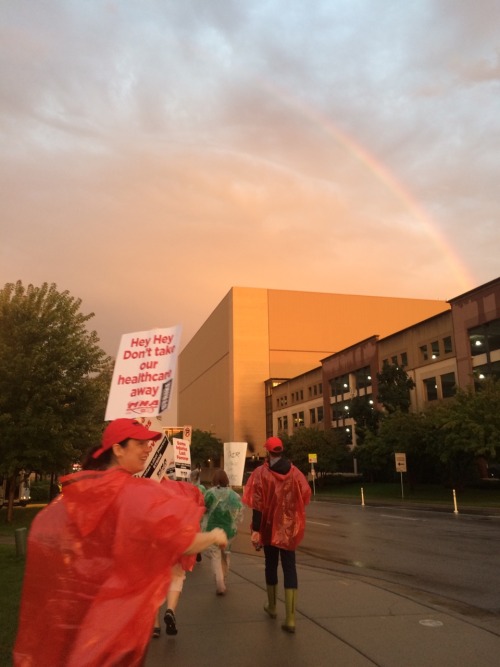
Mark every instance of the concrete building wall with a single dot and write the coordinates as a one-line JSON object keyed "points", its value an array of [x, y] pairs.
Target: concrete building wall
{"points": [[474, 308], [304, 393], [255, 334], [204, 374], [426, 350]]}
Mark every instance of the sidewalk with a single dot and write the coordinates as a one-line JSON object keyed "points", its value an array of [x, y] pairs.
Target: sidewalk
{"points": [[341, 621]]}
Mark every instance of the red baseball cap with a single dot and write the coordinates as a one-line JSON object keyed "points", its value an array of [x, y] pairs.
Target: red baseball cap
{"points": [[273, 445], [122, 429]]}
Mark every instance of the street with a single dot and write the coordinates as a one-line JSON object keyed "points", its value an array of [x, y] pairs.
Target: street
{"points": [[449, 559], [454, 556]]}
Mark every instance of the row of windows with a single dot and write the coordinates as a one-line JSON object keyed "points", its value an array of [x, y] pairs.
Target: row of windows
{"points": [[315, 417], [316, 390], [298, 396], [340, 409], [341, 385], [403, 360], [485, 338], [433, 350], [448, 387]]}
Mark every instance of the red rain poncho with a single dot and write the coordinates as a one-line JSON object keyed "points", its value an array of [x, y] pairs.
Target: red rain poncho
{"points": [[282, 500], [98, 568]]}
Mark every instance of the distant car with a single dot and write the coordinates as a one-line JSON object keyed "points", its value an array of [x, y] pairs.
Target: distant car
{"points": [[494, 471]]}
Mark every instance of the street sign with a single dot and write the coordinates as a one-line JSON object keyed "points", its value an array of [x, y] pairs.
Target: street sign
{"points": [[400, 458], [313, 458]]}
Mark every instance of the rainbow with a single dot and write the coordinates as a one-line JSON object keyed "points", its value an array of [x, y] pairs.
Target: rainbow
{"points": [[459, 269]]}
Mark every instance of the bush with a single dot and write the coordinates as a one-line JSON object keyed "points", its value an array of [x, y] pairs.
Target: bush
{"points": [[40, 492]]}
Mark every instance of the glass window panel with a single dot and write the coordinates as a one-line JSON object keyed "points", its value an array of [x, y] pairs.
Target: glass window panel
{"points": [[430, 387], [448, 385]]}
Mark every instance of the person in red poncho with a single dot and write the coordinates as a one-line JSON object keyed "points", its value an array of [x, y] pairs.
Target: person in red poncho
{"points": [[99, 559], [278, 492]]}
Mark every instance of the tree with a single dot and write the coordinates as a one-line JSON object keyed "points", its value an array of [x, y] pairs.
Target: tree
{"points": [[394, 386], [367, 418], [330, 447], [54, 379], [470, 426], [205, 447], [411, 433]]}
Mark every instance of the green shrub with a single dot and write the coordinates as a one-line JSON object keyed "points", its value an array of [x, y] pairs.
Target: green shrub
{"points": [[40, 492]]}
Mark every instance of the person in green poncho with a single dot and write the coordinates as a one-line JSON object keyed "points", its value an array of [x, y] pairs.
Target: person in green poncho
{"points": [[224, 509]]}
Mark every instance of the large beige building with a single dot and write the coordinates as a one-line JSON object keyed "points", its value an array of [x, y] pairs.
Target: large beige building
{"points": [[455, 348], [257, 334]]}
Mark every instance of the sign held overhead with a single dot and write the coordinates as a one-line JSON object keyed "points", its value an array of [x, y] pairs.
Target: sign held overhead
{"points": [[143, 373]]}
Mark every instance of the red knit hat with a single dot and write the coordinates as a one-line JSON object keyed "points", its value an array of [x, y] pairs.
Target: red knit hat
{"points": [[274, 445]]}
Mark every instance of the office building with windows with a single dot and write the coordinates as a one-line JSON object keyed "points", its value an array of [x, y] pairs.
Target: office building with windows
{"points": [[256, 338]]}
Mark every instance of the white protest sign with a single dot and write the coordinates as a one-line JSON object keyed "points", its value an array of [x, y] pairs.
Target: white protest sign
{"points": [[143, 373], [234, 461], [179, 465], [157, 461]]}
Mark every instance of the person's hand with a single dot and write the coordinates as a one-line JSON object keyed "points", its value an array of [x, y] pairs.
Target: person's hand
{"points": [[220, 537], [255, 539]]}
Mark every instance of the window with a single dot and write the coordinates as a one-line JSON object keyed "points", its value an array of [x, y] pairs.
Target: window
{"points": [[340, 385], [363, 378], [312, 416], [424, 355], [340, 410], [394, 360], [285, 424], [435, 349], [280, 424], [448, 385], [404, 359], [447, 345], [485, 338], [486, 371], [430, 387], [298, 419], [320, 389], [320, 413]]}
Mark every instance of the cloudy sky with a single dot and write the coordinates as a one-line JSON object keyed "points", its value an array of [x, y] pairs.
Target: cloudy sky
{"points": [[156, 153]]}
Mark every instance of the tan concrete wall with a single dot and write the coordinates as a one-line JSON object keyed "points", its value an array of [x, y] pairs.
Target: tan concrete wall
{"points": [[307, 322], [205, 367], [250, 366]]}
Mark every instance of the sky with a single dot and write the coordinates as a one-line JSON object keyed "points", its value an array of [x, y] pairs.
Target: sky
{"points": [[156, 153]]}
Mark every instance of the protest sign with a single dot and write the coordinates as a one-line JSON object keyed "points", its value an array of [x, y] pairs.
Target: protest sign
{"points": [[179, 463], [234, 461], [143, 373]]}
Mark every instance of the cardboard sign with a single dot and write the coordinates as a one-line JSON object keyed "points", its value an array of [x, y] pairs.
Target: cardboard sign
{"points": [[179, 463], [143, 373], [234, 461]]}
